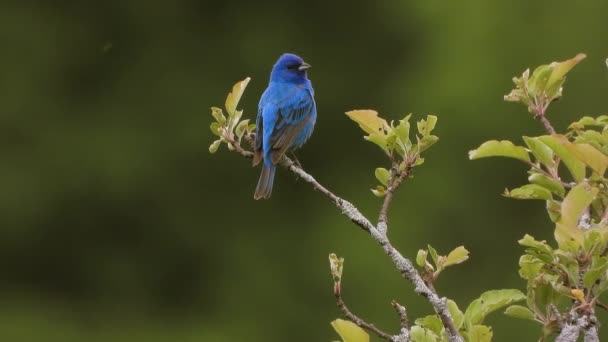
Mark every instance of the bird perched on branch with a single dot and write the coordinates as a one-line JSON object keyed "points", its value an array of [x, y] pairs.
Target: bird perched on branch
{"points": [[286, 117]]}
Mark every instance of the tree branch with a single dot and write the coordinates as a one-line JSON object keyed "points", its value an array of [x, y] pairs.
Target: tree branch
{"points": [[403, 265], [539, 112], [396, 178], [404, 333], [577, 323], [359, 321]]}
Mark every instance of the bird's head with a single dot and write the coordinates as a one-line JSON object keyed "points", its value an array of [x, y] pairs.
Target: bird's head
{"points": [[289, 68]]}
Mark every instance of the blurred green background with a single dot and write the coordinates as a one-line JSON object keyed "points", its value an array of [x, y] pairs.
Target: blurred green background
{"points": [[118, 225]]}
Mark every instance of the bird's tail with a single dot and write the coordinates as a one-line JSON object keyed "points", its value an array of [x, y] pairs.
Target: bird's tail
{"points": [[264, 188]]}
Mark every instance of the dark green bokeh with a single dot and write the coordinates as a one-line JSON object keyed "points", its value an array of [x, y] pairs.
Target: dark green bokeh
{"points": [[118, 225]]}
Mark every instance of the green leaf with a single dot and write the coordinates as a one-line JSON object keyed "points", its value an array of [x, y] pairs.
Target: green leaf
{"points": [[589, 155], [560, 69], [369, 121], [434, 256], [215, 128], [480, 333], [420, 334], [215, 145], [529, 191], [548, 183], [427, 141], [421, 257], [599, 266], [529, 266], [431, 121], [218, 115], [542, 246], [538, 81], [541, 151], [519, 311], [234, 119], [431, 322], [235, 96], [240, 128], [554, 210], [574, 165], [379, 140], [490, 301], [349, 331], [383, 175], [505, 148], [456, 314], [402, 131], [458, 255], [567, 233], [379, 191]]}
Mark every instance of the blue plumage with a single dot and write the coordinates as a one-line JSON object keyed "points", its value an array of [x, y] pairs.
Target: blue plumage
{"points": [[286, 117]]}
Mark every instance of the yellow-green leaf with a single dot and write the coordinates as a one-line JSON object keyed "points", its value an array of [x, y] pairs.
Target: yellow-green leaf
{"points": [[589, 155], [215, 128], [574, 165], [421, 257], [235, 95], [560, 69], [480, 333], [519, 311], [431, 322], [548, 183], [349, 331], [541, 151], [457, 256], [218, 115], [379, 140], [240, 128], [420, 334], [369, 121], [567, 232], [379, 191], [427, 141], [215, 145], [529, 191], [494, 148], [382, 175], [457, 315]]}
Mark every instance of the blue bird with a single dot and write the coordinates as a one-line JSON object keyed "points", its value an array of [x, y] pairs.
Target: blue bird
{"points": [[286, 117]]}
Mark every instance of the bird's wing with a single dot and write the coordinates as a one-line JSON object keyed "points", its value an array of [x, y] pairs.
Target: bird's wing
{"points": [[294, 113]]}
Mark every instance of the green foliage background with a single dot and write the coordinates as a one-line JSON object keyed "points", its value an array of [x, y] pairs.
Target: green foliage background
{"points": [[118, 225]]}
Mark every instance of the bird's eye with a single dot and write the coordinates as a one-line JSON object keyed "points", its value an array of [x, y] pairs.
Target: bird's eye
{"points": [[293, 67]]}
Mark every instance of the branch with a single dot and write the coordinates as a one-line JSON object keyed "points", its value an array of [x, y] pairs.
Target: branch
{"points": [[405, 266], [591, 332], [396, 178], [404, 333], [539, 112], [359, 321], [576, 324]]}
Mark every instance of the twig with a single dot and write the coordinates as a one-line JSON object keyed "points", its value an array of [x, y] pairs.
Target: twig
{"points": [[405, 266], [359, 321], [404, 333], [396, 178], [540, 111], [547, 124]]}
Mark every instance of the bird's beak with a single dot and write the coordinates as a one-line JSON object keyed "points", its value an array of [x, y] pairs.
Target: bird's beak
{"points": [[304, 66]]}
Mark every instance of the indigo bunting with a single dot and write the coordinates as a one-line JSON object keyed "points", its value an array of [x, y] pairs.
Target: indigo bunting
{"points": [[286, 117]]}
